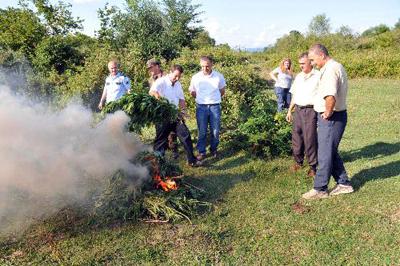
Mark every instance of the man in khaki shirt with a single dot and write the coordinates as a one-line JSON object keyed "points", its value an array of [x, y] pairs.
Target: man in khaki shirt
{"points": [[304, 131], [330, 104]]}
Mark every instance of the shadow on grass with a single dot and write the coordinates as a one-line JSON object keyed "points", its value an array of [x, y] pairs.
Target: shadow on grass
{"points": [[376, 150], [381, 172]]}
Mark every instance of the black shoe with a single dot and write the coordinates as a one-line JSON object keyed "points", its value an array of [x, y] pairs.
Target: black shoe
{"points": [[175, 155], [214, 154]]}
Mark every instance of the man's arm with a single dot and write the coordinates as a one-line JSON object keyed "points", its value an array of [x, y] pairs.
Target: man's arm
{"points": [[222, 91], [330, 102], [103, 98], [289, 116], [154, 94]]}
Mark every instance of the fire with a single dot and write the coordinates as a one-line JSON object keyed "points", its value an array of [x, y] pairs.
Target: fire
{"points": [[167, 184]]}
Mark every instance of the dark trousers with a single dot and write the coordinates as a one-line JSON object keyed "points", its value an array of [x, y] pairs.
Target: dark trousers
{"points": [[330, 133], [304, 135], [162, 132]]}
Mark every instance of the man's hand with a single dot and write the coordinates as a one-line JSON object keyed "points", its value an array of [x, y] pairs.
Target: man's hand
{"points": [[101, 104], [193, 93], [326, 115], [289, 116]]}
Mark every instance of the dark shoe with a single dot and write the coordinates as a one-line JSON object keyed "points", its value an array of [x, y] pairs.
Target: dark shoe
{"points": [[201, 157], [175, 155], [311, 172], [214, 154], [196, 163], [296, 167]]}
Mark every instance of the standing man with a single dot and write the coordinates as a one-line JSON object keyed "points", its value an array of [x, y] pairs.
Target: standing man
{"points": [[304, 131], [330, 104], [208, 87], [170, 88], [116, 85], [155, 71]]}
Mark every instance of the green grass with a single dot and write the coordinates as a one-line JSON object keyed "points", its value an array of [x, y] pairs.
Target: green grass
{"points": [[258, 217]]}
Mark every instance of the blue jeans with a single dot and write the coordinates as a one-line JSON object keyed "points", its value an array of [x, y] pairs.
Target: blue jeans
{"points": [[330, 163], [283, 97], [208, 114]]}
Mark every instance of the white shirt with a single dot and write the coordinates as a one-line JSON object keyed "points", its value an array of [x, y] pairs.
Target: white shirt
{"points": [[304, 88], [207, 87], [284, 80], [116, 87], [173, 93], [333, 82]]}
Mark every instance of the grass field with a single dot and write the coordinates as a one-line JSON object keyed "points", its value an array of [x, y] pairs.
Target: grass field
{"points": [[258, 217]]}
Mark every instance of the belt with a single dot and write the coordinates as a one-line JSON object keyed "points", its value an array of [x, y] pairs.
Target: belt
{"points": [[304, 106], [342, 111], [202, 104]]}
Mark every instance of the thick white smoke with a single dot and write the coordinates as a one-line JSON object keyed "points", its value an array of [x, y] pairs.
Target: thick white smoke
{"points": [[50, 159]]}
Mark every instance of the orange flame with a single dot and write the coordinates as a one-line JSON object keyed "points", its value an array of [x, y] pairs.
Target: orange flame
{"points": [[166, 185]]}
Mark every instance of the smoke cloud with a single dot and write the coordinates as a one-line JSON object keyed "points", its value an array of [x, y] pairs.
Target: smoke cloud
{"points": [[49, 160]]}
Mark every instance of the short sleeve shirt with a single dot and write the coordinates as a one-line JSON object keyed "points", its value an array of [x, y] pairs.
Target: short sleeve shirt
{"points": [[304, 88], [172, 92], [333, 82], [116, 87], [284, 80], [207, 87]]}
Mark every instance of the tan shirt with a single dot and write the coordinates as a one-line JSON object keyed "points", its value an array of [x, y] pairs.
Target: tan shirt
{"points": [[333, 82], [304, 88]]}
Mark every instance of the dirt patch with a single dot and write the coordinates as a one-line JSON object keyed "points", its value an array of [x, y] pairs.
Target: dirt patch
{"points": [[396, 215], [300, 208]]}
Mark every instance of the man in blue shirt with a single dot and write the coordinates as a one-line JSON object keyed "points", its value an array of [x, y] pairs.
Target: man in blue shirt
{"points": [[116, 85]]}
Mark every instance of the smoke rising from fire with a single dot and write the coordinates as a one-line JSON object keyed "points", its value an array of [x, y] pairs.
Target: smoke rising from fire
{"points": [[51, 159]]}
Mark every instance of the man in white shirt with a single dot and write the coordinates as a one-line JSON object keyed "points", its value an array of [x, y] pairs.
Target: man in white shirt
{"points": [[304, 131], [116, 85], [330, 104], [208, 87], [170, 88]]}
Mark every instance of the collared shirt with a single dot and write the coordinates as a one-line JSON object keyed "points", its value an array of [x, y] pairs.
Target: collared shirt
{"points": [[116, 87], [207, 87], [153, 79], [304, 87], [173, 93], [333, 82], [284, 80]]}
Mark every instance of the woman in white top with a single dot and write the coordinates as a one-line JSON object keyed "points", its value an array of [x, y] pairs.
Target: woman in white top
{"points": [[283, 77]]}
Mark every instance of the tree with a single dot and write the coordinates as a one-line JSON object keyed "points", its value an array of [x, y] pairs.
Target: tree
{"points": [[319, 26], [58, 18], [20, 30], [203, 39], [381, 28], [345, 31], [397, 25]]}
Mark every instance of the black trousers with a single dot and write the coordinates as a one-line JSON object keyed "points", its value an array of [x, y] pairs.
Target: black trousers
{"points": [[164, 129], [304, 135]]}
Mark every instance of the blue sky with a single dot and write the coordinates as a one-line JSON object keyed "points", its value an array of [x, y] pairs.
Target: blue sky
{"points": [[258, 23]]}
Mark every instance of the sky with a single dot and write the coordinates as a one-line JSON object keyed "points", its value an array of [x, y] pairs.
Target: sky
{"points": [[258, 23]]}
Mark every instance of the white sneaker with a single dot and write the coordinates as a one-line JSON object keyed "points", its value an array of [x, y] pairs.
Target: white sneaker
{"points": [[315, 194], [341, 189]]}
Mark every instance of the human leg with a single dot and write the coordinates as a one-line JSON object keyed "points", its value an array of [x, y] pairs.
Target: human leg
{"points": [[161, 139], [183, 134], [279, 98], [325, 144], [202, 115], [297, 138], [215, 124]]}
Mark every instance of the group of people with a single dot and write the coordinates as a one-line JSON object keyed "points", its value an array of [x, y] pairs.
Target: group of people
{"points": [[315, 101], [316, 105], [206, 86]]}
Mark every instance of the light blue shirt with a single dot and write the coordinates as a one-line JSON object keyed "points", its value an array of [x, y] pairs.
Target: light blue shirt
{"points": [[116, 87]]}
